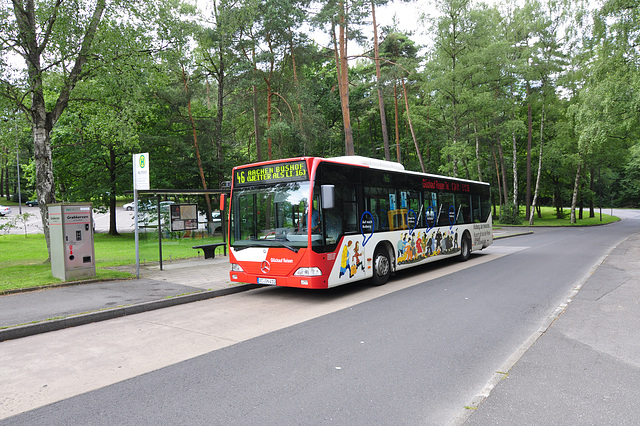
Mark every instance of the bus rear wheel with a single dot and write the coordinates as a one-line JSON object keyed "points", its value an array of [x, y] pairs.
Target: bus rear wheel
{"points": [[465, 248], [381, 266]]}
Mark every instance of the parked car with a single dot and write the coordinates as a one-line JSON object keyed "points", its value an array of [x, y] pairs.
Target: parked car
{"points": [[217, 221], [32, 203], [5, 210], [141, 206], [164, 205]]}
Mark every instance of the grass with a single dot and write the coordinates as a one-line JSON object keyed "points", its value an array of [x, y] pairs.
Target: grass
{"points": [[549, 218], [23, 259]]}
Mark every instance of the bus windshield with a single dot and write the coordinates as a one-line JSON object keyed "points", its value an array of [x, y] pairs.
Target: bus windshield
{"points": [[270, 216]]}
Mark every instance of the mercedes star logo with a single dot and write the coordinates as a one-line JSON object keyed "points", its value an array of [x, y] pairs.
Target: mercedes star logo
{"points": [[265, 267]]}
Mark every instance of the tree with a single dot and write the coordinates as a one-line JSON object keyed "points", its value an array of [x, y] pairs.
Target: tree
{"points": [[346, 15], [57, 38], [376, 58], [606, 112], [61, 44], [400, 54]]}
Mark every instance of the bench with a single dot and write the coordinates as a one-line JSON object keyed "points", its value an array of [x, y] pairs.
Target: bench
{"points": [[210, 249]]}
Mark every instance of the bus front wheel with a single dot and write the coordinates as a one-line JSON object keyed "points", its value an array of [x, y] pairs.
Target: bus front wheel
{"points": [[465, 248], [381, 266]]}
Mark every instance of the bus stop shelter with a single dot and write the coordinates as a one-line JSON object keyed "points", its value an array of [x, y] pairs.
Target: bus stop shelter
{"points": [[159, 194]]}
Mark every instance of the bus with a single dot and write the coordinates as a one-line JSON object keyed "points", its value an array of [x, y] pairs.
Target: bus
{"points": [[316, 222]]}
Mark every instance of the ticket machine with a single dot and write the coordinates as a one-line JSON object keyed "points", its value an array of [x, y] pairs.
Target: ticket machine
{"points": [[71, 233]]}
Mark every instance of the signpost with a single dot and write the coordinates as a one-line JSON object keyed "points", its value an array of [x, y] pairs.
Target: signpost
{"points": [[140, 182]]}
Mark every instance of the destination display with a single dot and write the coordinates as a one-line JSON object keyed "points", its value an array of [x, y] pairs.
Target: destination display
{"points": [[272, 173], [444, 185]]}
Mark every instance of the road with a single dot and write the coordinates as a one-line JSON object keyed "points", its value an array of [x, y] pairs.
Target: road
{"points": [[414, 351], [124, 221], [33, 224]]}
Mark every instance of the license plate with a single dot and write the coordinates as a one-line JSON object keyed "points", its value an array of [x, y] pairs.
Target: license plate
{"points": [[267, 281]]}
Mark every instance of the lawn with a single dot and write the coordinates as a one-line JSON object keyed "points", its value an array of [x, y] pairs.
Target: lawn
{"points": [[549, 218], [23, 259]]}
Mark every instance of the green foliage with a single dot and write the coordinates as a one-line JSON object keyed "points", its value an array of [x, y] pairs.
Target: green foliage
{"points": [[630, 180], [158, 78], [510, 215]]}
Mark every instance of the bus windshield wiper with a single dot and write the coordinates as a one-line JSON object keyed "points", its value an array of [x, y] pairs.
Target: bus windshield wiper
{"points": [[293, 249], [260, 244]]}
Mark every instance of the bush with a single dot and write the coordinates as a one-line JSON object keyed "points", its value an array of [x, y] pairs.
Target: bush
{"points": [[510, 215]]}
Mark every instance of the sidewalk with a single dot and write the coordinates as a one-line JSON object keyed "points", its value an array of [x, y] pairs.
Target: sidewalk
{"points": [[58, 307], [585, 367]]}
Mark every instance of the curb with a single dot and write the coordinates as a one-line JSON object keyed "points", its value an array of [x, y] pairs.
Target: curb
{"points": [[517, 234], [45, 326]]}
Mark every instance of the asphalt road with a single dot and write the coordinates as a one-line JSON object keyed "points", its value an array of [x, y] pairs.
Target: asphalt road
{"points": [[33, 224], [414, 351]]}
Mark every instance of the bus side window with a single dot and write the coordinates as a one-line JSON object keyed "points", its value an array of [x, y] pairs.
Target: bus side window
{"points": [[430, 208], [413, 203], [350, 209], [446, 201], [377, 203], [464, 209]]}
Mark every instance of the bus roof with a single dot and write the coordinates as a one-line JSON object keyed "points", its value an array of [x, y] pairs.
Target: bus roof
{"points": [[366, 161], [357, 160]]}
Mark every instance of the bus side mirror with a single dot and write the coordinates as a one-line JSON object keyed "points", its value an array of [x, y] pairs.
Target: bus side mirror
{"points": [[328, 196]]}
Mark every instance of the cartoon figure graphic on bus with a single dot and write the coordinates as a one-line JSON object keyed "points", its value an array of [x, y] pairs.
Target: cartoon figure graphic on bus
{"points": [[422, 245], [345, 265], [419, 245], [357, 262], [401, 246], [438, 247]]}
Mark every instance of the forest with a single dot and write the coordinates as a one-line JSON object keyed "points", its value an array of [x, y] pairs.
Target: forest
{"points": [[540, 98]]}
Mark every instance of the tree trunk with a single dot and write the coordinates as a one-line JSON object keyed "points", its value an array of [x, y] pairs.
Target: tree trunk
{"points": [[515, 170], [297, 85], [497, 174], [196, 146], [535, 194], [397, 126], [413, 134], [44, 167], [383, 117], [505, 192], [220, 117], [269, 112], [574, 198], [592, 188], [342, 68], [475, 131], [529, 138], [256, 124], [269, 102]]}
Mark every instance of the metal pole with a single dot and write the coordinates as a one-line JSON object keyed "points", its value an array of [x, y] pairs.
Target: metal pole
{"points": [[135, 210], [159, 229], [18, 163]]}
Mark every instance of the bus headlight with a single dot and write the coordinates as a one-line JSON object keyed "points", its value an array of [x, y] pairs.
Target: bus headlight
{"points": [[308, 272], [236, 268]]}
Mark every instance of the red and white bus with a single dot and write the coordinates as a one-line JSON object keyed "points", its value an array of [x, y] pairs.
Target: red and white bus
{"points": [[322, 222]]}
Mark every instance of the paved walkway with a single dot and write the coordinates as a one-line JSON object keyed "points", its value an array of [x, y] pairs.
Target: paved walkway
{"points": [[57, 307], [585, 367]]}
